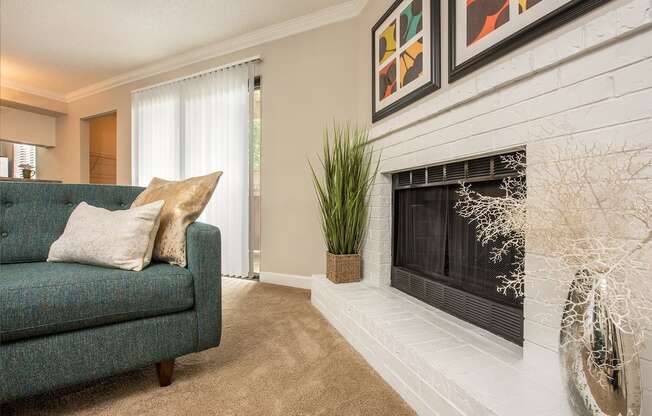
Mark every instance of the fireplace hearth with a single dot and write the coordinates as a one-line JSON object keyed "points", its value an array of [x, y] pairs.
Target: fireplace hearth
{"points": [[436, 257]]}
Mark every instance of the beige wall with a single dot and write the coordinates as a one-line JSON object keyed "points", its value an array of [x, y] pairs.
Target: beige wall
{"points": [[308, 80], [21, 126]]}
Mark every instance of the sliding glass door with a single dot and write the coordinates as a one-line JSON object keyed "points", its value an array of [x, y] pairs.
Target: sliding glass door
{"points": [[254, 204], [197, 126]]}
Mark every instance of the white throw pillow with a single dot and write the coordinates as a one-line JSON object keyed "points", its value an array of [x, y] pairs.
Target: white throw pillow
{"points": [[121, 239]]}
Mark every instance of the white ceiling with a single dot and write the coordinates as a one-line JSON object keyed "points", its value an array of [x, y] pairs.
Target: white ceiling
{"points": [[60, 46]]}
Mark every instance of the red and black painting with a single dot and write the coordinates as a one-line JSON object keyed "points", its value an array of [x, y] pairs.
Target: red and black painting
{"points": [[387, 80], [483, 17], [405, 49], [481, 31]]}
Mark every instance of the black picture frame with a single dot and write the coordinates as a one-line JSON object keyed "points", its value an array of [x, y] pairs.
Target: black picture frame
{"points": [[435, 63], [547, 23]]}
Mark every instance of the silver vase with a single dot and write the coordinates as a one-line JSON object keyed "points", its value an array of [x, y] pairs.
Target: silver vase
{"points": [[614, 390]]}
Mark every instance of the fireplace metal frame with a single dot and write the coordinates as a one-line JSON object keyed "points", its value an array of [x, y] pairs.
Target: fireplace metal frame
{"points": [[501, 319]]}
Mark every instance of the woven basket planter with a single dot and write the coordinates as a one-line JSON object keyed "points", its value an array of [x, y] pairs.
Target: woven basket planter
{"points": [[343, 268]]}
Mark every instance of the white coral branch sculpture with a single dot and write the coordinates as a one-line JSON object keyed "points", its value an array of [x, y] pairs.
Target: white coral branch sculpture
{"points": [[592, 216]]}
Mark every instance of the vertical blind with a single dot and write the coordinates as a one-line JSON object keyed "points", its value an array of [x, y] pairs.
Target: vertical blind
{"points": [[194, 127]]}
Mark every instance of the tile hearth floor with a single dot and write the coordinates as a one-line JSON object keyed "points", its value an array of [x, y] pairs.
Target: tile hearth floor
{"points": [[438, 363]]}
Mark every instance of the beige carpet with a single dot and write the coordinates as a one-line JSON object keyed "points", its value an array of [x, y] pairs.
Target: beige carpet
{"points": [[278, 356]]}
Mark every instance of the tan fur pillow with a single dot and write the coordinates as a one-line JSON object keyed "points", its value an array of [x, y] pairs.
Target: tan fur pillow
{"points": [[184, 202], [97, 236]]}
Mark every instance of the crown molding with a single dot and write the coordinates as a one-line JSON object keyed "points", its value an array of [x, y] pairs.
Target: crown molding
{"points": [[8, 83], [330, 15]]}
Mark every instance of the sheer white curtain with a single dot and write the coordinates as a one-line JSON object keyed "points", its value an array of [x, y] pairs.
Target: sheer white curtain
{"points": [[194, 127], [156, 134]]}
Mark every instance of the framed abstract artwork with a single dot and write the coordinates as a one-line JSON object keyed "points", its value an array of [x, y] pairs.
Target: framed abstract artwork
{"points": [[481, 31], [406, 61]]}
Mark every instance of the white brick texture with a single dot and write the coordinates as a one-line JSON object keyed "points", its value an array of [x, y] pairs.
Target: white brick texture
{"points": [[591, 83]]}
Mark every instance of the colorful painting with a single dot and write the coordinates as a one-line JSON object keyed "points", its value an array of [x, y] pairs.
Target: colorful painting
{"points": [[525, 5], [483, 17], [387, 80], [481, 31], [412, 62], [387, 43], [411, 21], [406, 55]]}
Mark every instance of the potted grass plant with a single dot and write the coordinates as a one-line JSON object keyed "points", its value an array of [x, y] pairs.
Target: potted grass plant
{"points": [[343, 193]]}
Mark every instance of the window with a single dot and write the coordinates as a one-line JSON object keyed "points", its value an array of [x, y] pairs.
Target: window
{"points": [[24, 154], [254, 205], [199, 125]]}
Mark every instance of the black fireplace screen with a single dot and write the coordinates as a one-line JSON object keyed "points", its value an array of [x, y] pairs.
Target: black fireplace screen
{"points": [[432, 239], [438, 259]]}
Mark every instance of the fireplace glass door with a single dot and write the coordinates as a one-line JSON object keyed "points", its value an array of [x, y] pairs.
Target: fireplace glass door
{"points": [[434, 241]]}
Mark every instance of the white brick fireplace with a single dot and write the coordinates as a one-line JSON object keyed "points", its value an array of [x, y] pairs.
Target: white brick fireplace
{"points": [[589, 81]]}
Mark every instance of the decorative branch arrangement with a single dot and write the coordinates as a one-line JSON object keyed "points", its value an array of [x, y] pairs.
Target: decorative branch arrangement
{"points": [[589, 214]]}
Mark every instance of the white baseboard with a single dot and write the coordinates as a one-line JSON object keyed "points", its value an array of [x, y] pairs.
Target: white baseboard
{"points": [[303, 282]]}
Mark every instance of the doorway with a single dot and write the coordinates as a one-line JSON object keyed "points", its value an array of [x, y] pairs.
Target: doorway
{"points": [[102, 149]]}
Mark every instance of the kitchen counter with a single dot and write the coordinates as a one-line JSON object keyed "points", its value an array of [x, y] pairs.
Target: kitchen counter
{"points": [[27, 180]]}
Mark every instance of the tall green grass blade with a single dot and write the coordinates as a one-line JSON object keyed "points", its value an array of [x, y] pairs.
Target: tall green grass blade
{"points": [[343, 191]]}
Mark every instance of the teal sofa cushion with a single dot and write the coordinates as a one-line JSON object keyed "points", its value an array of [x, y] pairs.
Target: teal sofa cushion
{"points": [[33, 215], [48, 298]]}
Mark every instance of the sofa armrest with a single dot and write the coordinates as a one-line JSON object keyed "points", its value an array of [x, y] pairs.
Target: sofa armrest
{"points": [[203, 251]]}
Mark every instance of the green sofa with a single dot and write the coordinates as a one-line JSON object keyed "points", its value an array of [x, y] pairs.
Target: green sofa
{"points": [[63, 324]]}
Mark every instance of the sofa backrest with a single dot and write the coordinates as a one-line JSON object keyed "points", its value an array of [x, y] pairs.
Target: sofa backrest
{"points": [[33, 215]]}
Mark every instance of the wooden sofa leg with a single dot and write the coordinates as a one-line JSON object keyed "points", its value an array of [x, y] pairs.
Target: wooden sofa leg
{"points": [[164, 370]]}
